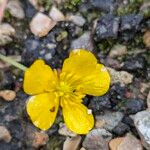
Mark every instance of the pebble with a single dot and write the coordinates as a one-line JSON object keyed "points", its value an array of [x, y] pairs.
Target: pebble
{"points": [[63, 130], [5, 134], [15, 9], [6, 33], [148, 100], [8, 95], [118, 50], [128, 142], [122, 77], [40, 139], [109, 119], [121, 129], [113, 144], [146, 39], [99, 103], [84, 41], [72, 143], [130, 22], [41, 24], [97, 139], [76, 19], [107, 27], [56, 14], [142, 124], [103, 5], [134, 64], [133, 106]]}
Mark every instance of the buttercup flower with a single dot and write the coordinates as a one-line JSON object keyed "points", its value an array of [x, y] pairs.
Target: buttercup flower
{"points": [[80, 75]]}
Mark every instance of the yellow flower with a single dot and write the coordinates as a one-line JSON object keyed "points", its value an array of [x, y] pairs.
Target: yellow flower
{"points": [[80, 75]]}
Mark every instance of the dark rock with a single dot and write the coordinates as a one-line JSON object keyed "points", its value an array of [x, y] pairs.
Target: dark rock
{"points": [[29, 9], [135, 64], [107, 27], [127, 120], [130, 22], [104, 5], [99, 103], [53, 130], [117, 93], [35, 48], [133, 106], [129, 26], [121, 129], [6, 80]]}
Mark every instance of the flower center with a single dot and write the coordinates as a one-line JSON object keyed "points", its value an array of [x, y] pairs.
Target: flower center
{"points": [[63, 89]]}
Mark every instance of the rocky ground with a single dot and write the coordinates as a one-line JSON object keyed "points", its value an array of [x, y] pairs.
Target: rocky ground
{"points": [[117, 32]]}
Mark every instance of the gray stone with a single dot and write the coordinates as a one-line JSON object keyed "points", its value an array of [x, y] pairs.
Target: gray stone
{"points": [[15, 9], [84, 41], [122, 77], [110, 119], [107, 27], [142, 124], [6, 33], [118, 50], [56, 14], [97, 139], [76, 19]]}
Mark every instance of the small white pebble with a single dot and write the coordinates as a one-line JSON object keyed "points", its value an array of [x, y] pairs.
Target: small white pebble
{"points": [[89, 111]]}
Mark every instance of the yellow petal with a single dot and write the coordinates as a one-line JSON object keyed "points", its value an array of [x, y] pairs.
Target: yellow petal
{"points": [[42, 110], [83, 73], [39, 78], [77, 117]]}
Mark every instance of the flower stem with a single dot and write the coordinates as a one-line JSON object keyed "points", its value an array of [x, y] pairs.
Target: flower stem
{"points": [[12, 62]]}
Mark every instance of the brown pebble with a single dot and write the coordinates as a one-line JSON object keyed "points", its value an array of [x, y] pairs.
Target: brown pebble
{"points": [[8, 95], [40, 139], [146, 39], [4, 134], [113, 144]]}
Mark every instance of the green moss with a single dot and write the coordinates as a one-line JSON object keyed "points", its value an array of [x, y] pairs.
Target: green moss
{"points": [[132, 7], [71, 4], [45, 3]]}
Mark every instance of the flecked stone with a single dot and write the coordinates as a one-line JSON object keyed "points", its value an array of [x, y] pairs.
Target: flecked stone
{"points": [[99, 103], [107, 27], [97, 139], [15, 9], [5, 134], [120, 76], [142, 124], [111, 119], [41, 24]]}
